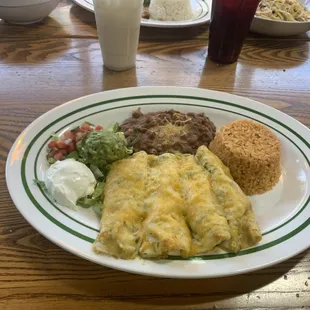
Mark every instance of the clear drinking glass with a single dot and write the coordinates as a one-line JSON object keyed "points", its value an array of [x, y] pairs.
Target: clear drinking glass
{"points": [[118, 26], [230, 23]]}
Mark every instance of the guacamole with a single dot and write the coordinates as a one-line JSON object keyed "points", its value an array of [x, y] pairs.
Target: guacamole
{"points": [[103, 147]]}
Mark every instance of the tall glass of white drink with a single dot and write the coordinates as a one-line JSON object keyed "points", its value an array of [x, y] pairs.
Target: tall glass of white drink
{"points": [[118, 26]]}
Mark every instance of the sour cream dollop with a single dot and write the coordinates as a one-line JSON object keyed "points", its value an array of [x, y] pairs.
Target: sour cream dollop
{"points": [[68, 180]]}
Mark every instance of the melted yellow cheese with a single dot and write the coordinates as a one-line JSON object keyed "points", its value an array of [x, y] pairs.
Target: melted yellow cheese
{"points": [[123, 207], [204, 216], [164, 231], [236, 206], [157, 206]]}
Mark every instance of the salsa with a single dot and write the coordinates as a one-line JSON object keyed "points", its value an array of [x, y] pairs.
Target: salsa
{"points": [[60, 147]]}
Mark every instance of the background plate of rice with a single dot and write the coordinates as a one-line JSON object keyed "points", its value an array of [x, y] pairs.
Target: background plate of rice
{"points": [[201, 14], [282, 213]]}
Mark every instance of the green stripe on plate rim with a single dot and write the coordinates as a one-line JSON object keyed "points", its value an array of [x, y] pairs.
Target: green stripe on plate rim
{"points": [[204, 257], [204, 11], [203, 4]]}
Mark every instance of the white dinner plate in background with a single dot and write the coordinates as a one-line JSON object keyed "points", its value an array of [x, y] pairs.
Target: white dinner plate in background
{"points": [[201, 8]]}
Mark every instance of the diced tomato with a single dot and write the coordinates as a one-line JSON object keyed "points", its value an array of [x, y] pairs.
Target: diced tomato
{"points": [[78, 136], [52, 153], [69, 135], [52, 144], [71, 147], [98, 127], [68, 141], [74, 131], [61, 145], [63, 152], [58, 156], [85, 127]]}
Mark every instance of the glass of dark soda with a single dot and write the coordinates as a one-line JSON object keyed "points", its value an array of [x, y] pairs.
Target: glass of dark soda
{"points": [[230, 23]]}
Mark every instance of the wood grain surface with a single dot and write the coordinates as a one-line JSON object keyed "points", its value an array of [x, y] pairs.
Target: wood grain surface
{"points": [[45, 65]]}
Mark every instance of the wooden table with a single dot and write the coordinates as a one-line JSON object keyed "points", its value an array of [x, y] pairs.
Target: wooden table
{"points": [[45, 65]]}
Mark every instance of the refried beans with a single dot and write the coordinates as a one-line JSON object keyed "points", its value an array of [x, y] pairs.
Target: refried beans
{"points": [[168, 131]]}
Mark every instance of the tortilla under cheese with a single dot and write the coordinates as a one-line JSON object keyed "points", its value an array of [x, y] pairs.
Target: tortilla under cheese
{"points": [[236, 206], [204, 216], [123, 207], [164, 230], [173, 204]]}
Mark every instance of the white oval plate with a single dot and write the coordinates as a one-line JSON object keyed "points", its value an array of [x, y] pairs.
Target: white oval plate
{"points": [[201, 8], [283, 213]]}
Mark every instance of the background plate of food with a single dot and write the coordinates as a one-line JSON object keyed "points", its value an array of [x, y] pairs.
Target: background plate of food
{"points": [[282, 17], [168, 14], [154, 180]]}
